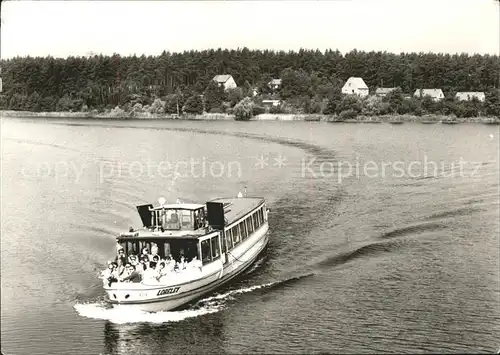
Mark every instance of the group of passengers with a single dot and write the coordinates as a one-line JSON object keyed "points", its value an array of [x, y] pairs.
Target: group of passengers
{"points": [[147, 267]]}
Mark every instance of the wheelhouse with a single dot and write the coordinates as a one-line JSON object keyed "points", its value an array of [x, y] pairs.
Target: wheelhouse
{"points": [[173, 217]]}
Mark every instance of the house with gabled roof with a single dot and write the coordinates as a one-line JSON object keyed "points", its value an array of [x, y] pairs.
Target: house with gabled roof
{"points": [[355, 86], [469, 95], [226, 81], [435, 94]]}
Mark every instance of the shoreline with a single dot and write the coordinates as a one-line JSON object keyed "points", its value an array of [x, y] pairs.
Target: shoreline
{"points": [[391, 119]]}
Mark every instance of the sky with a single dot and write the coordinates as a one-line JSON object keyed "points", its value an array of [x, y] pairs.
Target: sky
{"points": [[62, 28]]}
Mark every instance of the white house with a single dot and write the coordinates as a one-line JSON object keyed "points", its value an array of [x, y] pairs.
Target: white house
{"points": [[435, 94], [274, 84], [225, 80], [469, 95], [355, 86], [269, 103], [381, 92]]}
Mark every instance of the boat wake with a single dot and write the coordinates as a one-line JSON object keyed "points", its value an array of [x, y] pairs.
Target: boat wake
{"points": [[102, 310]]}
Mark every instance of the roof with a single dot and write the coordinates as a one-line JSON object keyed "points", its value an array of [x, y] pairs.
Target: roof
{"points": [[221, 78], [275, 82], [239, 206], [356, 82], [168, 234], [470, 94], [384, 90], [429, 92], [181, 206]]}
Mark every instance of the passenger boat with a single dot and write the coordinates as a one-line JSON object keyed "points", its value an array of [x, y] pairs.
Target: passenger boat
{"points": [[225, 235]]}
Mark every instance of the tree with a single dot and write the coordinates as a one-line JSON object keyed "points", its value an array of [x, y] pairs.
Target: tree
{"points": [[106, 81], [331, 107], [18, 102], [157, 107], [350, 102], [33, 103], [4, 102], [213, 96], [193, 105], [492, 103], [294, 83], [234, 96], [395, 100], [243, 110], [428, 104], [173, 103]]}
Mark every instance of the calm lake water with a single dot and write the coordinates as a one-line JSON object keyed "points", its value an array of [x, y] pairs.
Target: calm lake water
{"points": [[399, 256]]}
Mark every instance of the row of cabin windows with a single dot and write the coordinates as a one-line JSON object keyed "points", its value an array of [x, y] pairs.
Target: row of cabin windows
{"points": [[242, 230], [175, 219], [210, 249], [176, 248]]}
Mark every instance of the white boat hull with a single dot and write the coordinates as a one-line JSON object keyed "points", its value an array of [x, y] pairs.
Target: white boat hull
{"points": [[181, 289]]}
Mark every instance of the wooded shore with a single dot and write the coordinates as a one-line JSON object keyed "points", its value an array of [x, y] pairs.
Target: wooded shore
{"points": [[394, 119]]}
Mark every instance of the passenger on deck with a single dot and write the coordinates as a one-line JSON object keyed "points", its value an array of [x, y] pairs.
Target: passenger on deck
{"points": [[108, 275], [169, 263], [161, 271], [144, 259], [132, 259], [151, 273], [145, 252], [133, 276], [120, 268], [182, 263], [154, 249], [121, 255], [145, 262], [126, 272]]}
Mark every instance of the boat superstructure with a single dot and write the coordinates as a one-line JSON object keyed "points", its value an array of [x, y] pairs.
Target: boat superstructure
{"points": [[224, 236]]}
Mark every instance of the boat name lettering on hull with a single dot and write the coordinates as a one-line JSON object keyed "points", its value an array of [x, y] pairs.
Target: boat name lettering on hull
{"points": [[168, 291]]}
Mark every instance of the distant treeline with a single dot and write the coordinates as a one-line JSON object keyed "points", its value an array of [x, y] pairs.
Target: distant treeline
{"points": [[311, 79]]}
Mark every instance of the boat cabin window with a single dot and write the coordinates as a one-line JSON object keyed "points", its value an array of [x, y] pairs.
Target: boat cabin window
{"points": [[235, 232], [229, 241], [206, 254], [172, 220], [178, 219], [243, 229], [250, 225], [255, 220], [215, 248], [199, 218], [210, 250]]}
